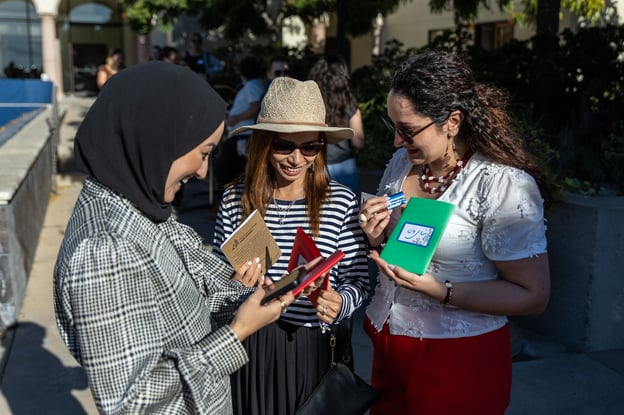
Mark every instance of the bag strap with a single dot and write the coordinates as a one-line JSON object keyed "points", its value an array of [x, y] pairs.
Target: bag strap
{"points": [[332, 343]]}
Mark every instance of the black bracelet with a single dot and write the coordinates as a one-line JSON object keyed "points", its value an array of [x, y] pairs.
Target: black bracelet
{"points": [[449, 292]]}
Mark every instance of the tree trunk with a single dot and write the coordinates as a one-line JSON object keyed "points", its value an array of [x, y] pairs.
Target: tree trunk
{"points": [[341, 30], [548, 16], [548, 79]]}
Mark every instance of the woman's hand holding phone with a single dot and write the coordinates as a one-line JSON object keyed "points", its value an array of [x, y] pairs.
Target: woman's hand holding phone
{"points": [[251, 316], [289, 282]]}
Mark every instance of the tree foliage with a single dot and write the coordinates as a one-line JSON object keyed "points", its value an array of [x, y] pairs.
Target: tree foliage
{"points": [[467, 11], [256, 17], [578, 134], [144, 15], [263, 18]]}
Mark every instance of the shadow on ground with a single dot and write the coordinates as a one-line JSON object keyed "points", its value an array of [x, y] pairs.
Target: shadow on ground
{"points": [[30, 386]]}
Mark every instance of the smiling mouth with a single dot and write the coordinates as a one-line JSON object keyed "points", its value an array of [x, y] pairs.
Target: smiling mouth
{"points": [[291, 170]]}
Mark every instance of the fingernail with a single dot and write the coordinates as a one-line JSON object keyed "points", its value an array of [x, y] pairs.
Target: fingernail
{"points": [[257, 259], [391, 267], [249, 263]]}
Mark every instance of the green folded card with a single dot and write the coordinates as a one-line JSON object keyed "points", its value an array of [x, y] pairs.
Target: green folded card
{"points": [[417, 234]]}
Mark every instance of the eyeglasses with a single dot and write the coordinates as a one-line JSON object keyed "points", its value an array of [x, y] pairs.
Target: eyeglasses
{"points": [[284, 72], [406, 135], [287, 147]]}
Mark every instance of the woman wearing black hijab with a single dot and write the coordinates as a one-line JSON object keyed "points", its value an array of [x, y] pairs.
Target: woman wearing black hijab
{"points": [[142, 306]]}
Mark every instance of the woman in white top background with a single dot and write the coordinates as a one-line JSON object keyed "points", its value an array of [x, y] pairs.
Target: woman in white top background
{"points": [[441, 339]]}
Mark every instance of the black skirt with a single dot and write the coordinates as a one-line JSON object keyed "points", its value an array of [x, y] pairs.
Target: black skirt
{"points": [[286, 362]]}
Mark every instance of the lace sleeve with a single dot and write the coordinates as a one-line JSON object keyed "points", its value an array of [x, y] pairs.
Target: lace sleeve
{"points": [[513, 228]]}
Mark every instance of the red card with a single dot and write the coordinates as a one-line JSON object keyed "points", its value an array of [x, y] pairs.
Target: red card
{"points": [[305, 250], [318, 271]]}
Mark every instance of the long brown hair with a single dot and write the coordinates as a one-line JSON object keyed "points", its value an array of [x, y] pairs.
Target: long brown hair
{"points": [[260, 180], [332, 76]]}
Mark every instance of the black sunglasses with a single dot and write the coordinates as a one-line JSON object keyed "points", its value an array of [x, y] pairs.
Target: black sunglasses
{"points": [[287, 147], [406, 135], [284, 72]]}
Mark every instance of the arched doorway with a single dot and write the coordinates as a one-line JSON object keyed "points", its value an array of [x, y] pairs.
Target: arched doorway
{"points": [[87, 31], [20, 39]]}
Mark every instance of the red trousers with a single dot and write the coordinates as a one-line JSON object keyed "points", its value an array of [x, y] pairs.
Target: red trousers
{"points": [[467, 375]]}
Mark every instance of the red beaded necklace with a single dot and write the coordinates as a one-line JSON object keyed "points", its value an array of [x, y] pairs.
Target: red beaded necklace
{"points": [[426, 179]]}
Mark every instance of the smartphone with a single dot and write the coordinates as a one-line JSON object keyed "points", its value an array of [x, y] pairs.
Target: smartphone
{"points": [[285, 284]]}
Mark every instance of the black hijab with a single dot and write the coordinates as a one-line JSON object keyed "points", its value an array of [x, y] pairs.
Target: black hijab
{"points": [[146, 117]]}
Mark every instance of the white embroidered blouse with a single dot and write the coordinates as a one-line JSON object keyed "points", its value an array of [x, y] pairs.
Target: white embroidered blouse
{"points": [[498, 217]]}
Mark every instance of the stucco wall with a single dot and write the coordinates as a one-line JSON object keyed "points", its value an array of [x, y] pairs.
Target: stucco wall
{"points": [[585, 240], [26, 171]]}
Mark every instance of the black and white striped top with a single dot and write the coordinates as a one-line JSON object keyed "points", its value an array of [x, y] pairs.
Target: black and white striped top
{"points": [[339, 230]]}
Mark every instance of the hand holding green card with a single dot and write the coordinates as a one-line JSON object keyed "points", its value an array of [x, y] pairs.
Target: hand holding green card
{"points": [[415, 238]]}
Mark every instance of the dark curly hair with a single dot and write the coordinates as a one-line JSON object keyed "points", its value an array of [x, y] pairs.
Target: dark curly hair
{"points": [[437, 82]]}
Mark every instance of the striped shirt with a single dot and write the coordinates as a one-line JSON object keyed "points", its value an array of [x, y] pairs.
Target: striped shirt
{"points": [[339, 229]]}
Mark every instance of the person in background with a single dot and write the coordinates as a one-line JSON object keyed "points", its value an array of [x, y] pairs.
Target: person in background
{"points": [[200, 61], [278, 66], [155, 53], [441, 340], [332, 76], [169, 54], [246, 102], [286, 180], [232, 157], [152, 316], [114, 63]]}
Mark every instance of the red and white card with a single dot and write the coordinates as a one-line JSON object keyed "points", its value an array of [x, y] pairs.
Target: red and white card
{"points": [[305, 250]]}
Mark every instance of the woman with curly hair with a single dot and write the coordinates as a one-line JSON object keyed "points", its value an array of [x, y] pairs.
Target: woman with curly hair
{"points": [[441, 339]]}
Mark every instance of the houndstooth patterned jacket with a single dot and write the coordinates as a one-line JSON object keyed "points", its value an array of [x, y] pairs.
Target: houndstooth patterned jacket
{"points": [[144, 309]]}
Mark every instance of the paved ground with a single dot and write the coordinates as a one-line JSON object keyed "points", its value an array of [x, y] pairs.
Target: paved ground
{"points": [[38, 376]]}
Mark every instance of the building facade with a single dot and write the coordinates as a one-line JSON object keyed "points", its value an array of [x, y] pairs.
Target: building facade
{"points": [[65, 40], [61, 40]]}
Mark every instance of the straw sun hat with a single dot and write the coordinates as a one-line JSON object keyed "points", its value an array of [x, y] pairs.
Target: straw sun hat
{"points": [[293, 106]]}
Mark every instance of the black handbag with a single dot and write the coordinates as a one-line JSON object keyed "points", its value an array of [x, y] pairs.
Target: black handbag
{"points": [[340, 392]]}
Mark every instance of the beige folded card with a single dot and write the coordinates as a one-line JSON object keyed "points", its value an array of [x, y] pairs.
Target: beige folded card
{"points": [[251, 240]]}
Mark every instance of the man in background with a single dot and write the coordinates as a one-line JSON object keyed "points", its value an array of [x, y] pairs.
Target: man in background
{"points": [[279, 66], [199, 60]]}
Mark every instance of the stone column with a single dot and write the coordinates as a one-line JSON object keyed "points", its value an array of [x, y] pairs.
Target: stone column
{"points": [[49, 48], [48, 10]]}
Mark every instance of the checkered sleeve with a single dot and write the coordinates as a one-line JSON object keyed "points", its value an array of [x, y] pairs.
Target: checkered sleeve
{"points": [[115, 293], [212, 275]]}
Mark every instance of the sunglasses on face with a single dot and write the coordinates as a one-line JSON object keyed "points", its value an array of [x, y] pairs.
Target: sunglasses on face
{"points": [[406, 135], [286, 147], [284, 72]]}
